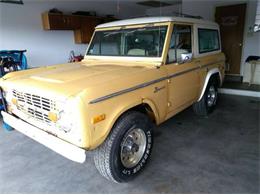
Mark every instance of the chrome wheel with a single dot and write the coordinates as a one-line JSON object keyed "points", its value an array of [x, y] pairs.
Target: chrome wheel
{"points": [[211, 96], [133, 147]]}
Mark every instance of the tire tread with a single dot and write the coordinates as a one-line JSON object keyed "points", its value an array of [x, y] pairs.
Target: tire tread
{"points": [[102, 154]]}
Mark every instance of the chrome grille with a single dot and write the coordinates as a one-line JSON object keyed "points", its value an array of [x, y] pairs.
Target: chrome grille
{"points": [[34, 106]]}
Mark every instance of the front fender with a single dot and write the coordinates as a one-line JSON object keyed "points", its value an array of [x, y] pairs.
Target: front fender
{"points": [[101, 130]]}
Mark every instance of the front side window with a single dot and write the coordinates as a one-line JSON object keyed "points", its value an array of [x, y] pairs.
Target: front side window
{"points": [[181, 43], [208, 40], [139, 42]]}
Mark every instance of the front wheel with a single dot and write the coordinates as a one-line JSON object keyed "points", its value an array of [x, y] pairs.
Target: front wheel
{"points": [[208, 101], [127, 149]]}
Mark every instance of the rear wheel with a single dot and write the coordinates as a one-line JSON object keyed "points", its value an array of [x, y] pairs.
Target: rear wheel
{"points": [[127, 149], [209, 100]]}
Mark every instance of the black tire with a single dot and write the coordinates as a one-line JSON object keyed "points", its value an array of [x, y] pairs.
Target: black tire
{"points": [[203, 107], [107, 157]]}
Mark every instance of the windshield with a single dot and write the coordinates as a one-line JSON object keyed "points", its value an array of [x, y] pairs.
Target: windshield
{"points": [[139, 42]]}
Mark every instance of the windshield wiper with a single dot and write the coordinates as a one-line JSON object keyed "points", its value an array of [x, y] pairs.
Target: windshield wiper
{"points": [[136, 30], [111, 33]]}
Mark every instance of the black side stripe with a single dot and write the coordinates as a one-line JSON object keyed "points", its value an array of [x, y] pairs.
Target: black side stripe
{"points": [[127, 90], [100, 99]]}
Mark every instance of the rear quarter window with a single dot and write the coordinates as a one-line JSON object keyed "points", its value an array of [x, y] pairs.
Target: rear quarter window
{"points": [[208, 40]]}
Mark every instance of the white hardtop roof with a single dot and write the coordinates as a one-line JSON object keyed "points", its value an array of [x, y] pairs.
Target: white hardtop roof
{"points": [[147, 20]]}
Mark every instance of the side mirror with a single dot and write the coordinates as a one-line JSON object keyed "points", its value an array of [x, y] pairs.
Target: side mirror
{"points": [[186, 57]]}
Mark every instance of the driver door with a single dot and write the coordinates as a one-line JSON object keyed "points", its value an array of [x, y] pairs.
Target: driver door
{"points": [[183, 72]]}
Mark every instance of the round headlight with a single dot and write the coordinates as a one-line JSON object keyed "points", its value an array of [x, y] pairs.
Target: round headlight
{"points": [[65, 121], [8, 96], [65, 117]]}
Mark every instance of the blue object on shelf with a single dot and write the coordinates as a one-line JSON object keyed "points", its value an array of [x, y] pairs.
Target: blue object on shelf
{"points": [[7, 127]]}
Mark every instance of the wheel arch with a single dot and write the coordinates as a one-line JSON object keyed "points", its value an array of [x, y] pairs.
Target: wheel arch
{"points": [[211, 73], [145, 106]]}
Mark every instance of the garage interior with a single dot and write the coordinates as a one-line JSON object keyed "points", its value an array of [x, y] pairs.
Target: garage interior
{"points": [[216, 154]]}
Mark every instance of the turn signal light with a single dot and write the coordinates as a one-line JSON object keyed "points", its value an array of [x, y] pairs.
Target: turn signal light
{"points": [[98, 118], [53, 116], [15, 101]]}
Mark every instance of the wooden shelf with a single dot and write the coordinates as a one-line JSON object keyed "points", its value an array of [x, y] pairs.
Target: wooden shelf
{"points": [[83, 26], [60, 22], [84, 34]]}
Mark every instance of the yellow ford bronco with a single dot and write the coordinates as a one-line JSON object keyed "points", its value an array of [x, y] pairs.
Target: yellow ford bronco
{"points": [[136, 73]]}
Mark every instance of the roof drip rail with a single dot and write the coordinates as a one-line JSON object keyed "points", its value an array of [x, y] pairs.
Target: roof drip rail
{"points": [[178, 14]]}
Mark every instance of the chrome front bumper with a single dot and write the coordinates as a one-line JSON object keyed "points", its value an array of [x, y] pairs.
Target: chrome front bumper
{"points": [[63, 148]]}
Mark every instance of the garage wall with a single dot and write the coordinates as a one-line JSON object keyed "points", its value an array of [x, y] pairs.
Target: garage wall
{"points": [[21, 28], [206, 9], [164, 11]]}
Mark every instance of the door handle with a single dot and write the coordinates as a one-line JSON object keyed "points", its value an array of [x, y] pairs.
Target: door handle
{"points": [[198, 62]]}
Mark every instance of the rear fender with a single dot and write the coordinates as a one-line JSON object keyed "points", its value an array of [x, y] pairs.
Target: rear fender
{"points": [[209, 74]]}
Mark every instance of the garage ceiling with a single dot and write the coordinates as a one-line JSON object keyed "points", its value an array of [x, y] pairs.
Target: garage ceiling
{"points": [[12, 1], [146, 3], [120, 8], [151, 3]]}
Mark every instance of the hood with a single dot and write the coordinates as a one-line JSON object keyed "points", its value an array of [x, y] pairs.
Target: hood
{"points": [[69, 79]]}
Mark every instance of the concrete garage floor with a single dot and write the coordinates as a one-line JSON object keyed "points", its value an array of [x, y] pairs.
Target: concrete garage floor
{"points": [[218, 154]]}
